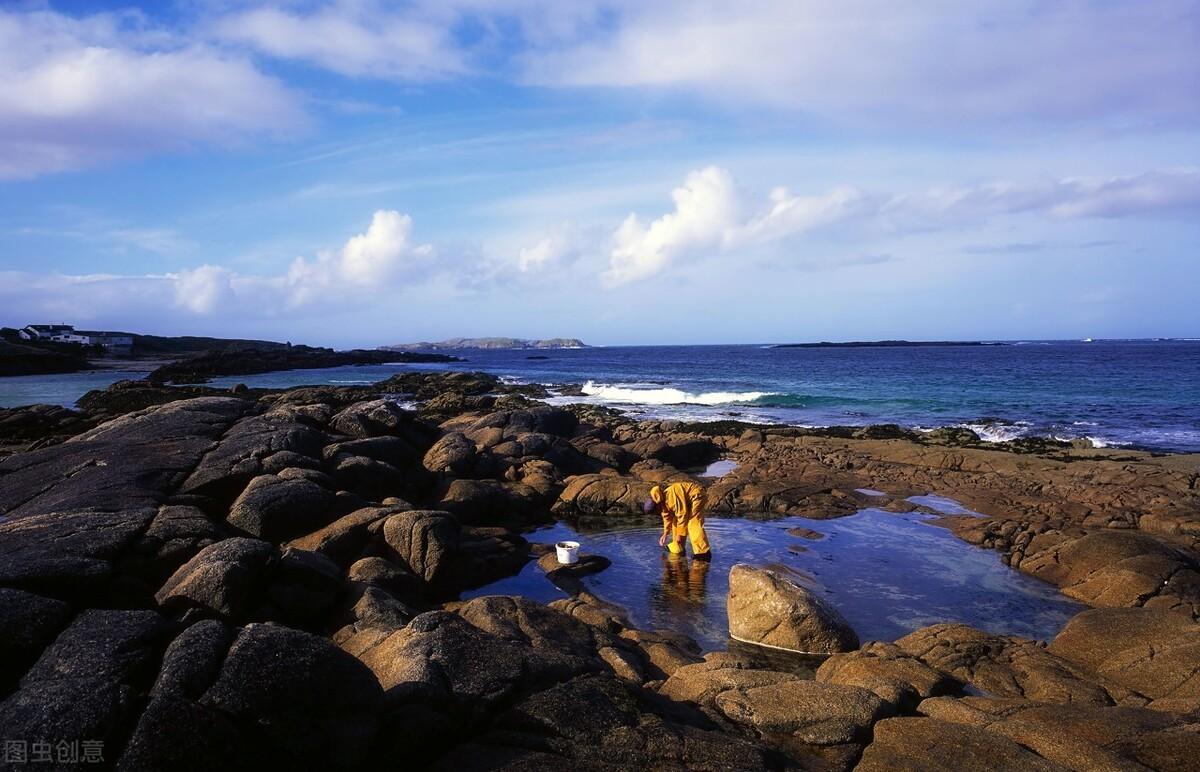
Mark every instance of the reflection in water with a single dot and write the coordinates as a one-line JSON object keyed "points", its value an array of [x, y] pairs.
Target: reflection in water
{"points": [[887, 573], [683, 583]]}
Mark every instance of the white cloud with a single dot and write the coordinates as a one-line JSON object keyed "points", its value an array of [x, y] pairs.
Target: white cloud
{"points": [[376, 258], [562, 245], [705, 208], [355, 39], [78, 92], [382, 259], [788, 214], [1161, 193], [706, 215], [873, 60], [203, 290]]}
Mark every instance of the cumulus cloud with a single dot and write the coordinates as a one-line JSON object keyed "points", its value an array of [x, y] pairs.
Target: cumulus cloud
{"points": [[865, 59], [383, 258], [705, 209], [378, 257], [706, 215], [75, 92], [203, 290]]}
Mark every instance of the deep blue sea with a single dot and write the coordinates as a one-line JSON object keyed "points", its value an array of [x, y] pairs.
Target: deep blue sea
{"points": [[1119, 393]]}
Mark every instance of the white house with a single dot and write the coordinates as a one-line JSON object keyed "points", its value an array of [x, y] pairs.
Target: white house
{"points": [[115, 342], [46, 331], [72, 337]]}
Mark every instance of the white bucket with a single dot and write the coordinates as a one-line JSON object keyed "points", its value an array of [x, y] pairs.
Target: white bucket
{"points": [[568, 552]]}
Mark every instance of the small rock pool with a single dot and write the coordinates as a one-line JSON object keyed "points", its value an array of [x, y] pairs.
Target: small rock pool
{"points": [[887, 573]]}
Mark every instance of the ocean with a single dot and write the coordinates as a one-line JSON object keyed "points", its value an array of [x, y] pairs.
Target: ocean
{"points": [[1143, 394]]}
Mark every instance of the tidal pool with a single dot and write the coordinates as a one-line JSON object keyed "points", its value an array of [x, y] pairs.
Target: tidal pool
{"points": [[887, 573]]}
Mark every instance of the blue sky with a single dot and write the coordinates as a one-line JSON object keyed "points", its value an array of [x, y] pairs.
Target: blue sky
{"points": [[357, 173]]}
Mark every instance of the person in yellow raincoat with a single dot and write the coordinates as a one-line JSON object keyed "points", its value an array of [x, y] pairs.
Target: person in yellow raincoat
{"points": [[681, 506]]}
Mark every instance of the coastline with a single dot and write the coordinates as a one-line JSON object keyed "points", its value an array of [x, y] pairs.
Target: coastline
{"points": [[179, 520], [1111, 394]]}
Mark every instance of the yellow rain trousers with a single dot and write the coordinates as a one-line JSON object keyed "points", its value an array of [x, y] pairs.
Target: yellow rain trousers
{"points": [[682, 506]]}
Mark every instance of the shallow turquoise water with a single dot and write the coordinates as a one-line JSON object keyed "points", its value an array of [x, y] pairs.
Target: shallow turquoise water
{"points": [[888, 574]]}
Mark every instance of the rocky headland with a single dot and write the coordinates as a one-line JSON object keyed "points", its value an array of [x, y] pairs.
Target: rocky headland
{"points": [[200, 578], [19, 359], [201, 367]]}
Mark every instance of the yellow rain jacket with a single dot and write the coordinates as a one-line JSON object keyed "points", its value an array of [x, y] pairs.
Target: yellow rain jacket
{"points": [[682, 507]]}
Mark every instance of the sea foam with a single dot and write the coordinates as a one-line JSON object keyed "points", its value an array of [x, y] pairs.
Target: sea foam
{"points": [[667, 396]]}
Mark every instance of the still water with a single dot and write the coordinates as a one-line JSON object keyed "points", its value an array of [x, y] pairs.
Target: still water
{"points": [[887, 573]]}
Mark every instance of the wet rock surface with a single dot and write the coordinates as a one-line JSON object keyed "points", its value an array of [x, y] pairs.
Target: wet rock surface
{"points": [[768, 609], [269, 579]]}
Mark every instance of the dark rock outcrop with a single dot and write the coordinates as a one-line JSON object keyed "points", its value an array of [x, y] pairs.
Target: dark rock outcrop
{"points": [[276, 509], [224, 579]]}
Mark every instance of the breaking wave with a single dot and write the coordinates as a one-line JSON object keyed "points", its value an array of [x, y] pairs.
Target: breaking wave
{"points": [[999, 431], [668, 396]]}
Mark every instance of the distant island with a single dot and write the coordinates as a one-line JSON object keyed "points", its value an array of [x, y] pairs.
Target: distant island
{"points": [[886, 344], [489, 343]]}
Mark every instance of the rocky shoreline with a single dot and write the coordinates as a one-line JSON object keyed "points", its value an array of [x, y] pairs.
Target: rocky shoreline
{"points": [[200, 368], [199, 578]]}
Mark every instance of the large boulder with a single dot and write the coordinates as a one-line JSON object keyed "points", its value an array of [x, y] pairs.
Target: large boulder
{"points": [[1117, 568], [678, 450], [374, 480], [423, 541], [224, 579], [397, 581], [175, 535], [602, 495], [344, 540], [487, 554], [703, 681], [886, 670], [301, 590], [396, 451], [27, 623], [175, 731], [1080, 737], [1154, 653], [1008, 666], [314, 704], [275, 509], [507, 424], [130, 463], [546, 629], [491, 502], [564, 456], [442, 659], [242, 453], [90, 682], [814, 713], [598, 722], [70, 555], [768, 609], [606, 453], [453, 454], [382, 418], [275, 698], [929, 744]]}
